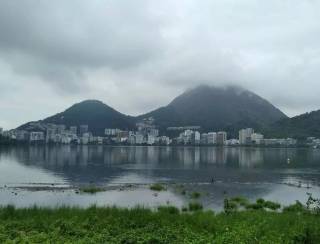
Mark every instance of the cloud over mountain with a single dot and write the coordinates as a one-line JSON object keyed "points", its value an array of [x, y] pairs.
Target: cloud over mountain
{"points": [[141, 54]]}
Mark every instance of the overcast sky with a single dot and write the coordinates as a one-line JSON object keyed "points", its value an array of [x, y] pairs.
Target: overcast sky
{"points": [[138, 55]]}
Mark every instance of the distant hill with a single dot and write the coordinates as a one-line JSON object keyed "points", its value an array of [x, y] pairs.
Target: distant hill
{"points": [[93, 113], [301, 126], [214, 109]]}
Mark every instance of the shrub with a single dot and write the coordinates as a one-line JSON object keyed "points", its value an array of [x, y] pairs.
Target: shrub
{"points": [[260, 201], [298, 207], [91, 189], [254, 206], [195, 206], [195, 195], [157, 187], [230, 206], [271, 205], [240, 200]]}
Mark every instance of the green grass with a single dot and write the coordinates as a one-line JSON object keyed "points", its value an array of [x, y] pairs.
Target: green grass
{"points": [[157, 187], [166, 225], [195, 206], [195, 195], [91, 189]]}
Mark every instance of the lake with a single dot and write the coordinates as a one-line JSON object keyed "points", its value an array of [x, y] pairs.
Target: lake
{"points": [[52, 175]]}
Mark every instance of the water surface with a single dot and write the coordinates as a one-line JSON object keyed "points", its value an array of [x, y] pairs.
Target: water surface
{"points": [[49, 175]]}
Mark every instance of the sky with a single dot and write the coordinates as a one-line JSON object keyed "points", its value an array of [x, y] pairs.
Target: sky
{"points": [[138, 55]]}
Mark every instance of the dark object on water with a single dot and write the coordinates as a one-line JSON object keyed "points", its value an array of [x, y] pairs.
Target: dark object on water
{"points": [[212, 180]]}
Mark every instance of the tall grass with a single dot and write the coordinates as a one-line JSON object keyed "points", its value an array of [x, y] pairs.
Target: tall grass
{"points": [[166, 225]]}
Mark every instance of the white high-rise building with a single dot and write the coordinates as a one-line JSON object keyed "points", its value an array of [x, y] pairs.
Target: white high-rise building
{"points": [[245, 136], [197, 137], [151, 139], [139, 138], [212, 138]]}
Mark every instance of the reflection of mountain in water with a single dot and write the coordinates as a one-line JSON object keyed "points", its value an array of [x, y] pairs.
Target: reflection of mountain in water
{"points": [[82, 164]]}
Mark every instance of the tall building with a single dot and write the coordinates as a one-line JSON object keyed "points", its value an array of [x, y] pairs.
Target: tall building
{"points": [[204, 139], [139, 138], [196, 138], [1, 131], [212, 138], [50, 135], [221, 138], [245, 136]]}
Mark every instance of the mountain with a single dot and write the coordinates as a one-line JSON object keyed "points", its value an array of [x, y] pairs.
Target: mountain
{"points": [[93, 113], [213, 108], [301, 126]]}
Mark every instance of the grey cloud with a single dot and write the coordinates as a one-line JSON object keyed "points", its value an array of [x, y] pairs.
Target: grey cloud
{"points": [[140, 54]]}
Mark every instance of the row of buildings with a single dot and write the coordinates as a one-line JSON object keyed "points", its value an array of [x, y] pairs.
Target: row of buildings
{"points": [[249, 137], [191, 137], [145, 134], [246, 137]]}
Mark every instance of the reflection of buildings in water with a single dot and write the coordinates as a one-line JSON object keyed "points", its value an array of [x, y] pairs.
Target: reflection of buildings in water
{"points": [[188, 157], [250, 157], [131, 154], [221, 154], [152, 155], [139, 154], [208, 155], [213, 155], [165, 153], [197, 156], [184, 155]]}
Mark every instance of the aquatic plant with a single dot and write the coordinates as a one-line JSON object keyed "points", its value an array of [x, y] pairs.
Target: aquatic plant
{"points": [[91, 189], [157, 187]]}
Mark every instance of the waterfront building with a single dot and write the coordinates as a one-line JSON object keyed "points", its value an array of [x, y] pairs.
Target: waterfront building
{"points": [[221, 138], [164, 140], [232, 142], [139, 138], [212, 138], [112, 132], [195, 138], [132, 139], [245, 136], [22, 135], [51, 135], [257, 138], [204, 139], [151, 139], [36, 136]]}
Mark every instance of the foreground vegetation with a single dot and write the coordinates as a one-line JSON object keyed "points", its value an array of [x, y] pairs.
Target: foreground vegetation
{"points": [[262, 224]]}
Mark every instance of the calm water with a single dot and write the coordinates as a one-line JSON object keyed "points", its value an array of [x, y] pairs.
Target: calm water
{"points": [[47, 176]]}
